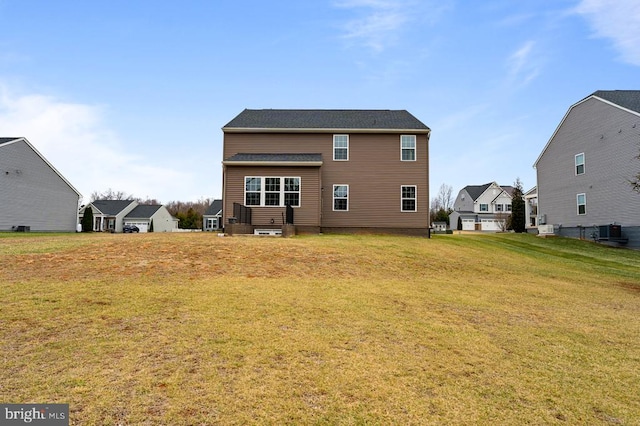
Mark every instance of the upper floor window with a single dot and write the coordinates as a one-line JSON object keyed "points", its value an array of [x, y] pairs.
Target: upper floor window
{"points": [[272, 191], [507, 207], [341, 197], [582, 203], [341, 147], [580, 164], [484, 207], [498, 207], [409, 198], [408, 147]]}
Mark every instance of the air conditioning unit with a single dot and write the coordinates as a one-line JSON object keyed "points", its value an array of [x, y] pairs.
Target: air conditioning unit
{"points": [[542, 219]]}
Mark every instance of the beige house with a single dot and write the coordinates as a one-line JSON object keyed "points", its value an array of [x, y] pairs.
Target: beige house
{"points": [[338, 170]]}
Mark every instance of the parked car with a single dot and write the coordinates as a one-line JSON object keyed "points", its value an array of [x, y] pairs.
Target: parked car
{"points": [[130, 229]]}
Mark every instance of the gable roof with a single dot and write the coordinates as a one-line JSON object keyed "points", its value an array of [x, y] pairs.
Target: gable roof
{"points": [[143, 211], [111, 207], [274, 159], [475, 191], [628, 100], [7, 141], [324, 119], [214, 208]]}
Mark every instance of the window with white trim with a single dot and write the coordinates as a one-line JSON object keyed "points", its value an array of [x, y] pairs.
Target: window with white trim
{"points": [[484, 207], [340, 147], [498, 207], [580, 164], [408, 147], [272, 191], [409, 198], [507, 207], [581, 200], [340, 197]]}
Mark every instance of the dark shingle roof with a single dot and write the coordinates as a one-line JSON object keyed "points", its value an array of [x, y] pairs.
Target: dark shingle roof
{"points": [[214, 208], [111, 207], [325, 119], [476, 190], [143, 211], [5, 140], [297, 158], [629, 99]]}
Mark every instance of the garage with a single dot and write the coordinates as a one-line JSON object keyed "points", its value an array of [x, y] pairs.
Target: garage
{"points": [[468, 224], [490, 225]]}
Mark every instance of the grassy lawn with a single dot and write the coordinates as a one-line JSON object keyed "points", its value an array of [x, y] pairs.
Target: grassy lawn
{"points": [[185, 329]]}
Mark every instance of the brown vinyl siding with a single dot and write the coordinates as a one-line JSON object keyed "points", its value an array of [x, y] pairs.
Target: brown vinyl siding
{"points": [[374, 173], [308, 214]]}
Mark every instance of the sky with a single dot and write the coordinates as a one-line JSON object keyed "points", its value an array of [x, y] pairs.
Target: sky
{"points": [[132, 95]]}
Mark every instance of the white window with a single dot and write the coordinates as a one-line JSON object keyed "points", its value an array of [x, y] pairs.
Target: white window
{"points": [[408, 147], [580, 164], [252, 191], [484, 207], [272, 191], [582, 204], [340, 197], [409, 198], [498, 207], [340, 147], [507, 207]]}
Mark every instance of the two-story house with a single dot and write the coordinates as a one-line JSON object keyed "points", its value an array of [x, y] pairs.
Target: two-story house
{"points": [[482, 208], [584, 170], [338, 170]]}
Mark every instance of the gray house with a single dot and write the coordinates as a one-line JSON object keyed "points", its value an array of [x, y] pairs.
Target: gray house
{"points": [[583, 172], [34, 195], [154, 218], [212, 217]]}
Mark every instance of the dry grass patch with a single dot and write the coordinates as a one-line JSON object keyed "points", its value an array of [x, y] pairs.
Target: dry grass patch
{"points": [[197, 329]]}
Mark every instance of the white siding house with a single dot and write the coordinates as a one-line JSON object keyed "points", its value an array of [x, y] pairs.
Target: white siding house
{"points": [[482, 207], [34, 195]]}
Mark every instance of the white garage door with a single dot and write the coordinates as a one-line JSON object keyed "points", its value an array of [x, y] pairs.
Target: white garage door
{"points": [[468, 224], [490, 225]]}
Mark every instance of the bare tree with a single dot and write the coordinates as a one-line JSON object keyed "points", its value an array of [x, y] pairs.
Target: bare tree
{"points": [[445, 197], [635, 181], [110, 194]]}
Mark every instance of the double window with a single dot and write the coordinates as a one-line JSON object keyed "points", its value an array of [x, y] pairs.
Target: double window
{"points": [[341, 147], [580, 164], [582, 203], [409, 198], [272, 191], [341, 197], [408, 147]]}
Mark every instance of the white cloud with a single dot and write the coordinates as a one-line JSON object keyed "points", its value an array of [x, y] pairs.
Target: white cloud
{"points": [[377, 24], [74, 138], [523, 67], [618, 21]]}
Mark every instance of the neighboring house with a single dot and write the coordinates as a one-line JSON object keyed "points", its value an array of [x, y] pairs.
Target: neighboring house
{"points": [[108, 215], [34, 195], [584, 170], [482, 207], [212, 217], [440, 227], [154, 218], [531, 209], [339, 170]]}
